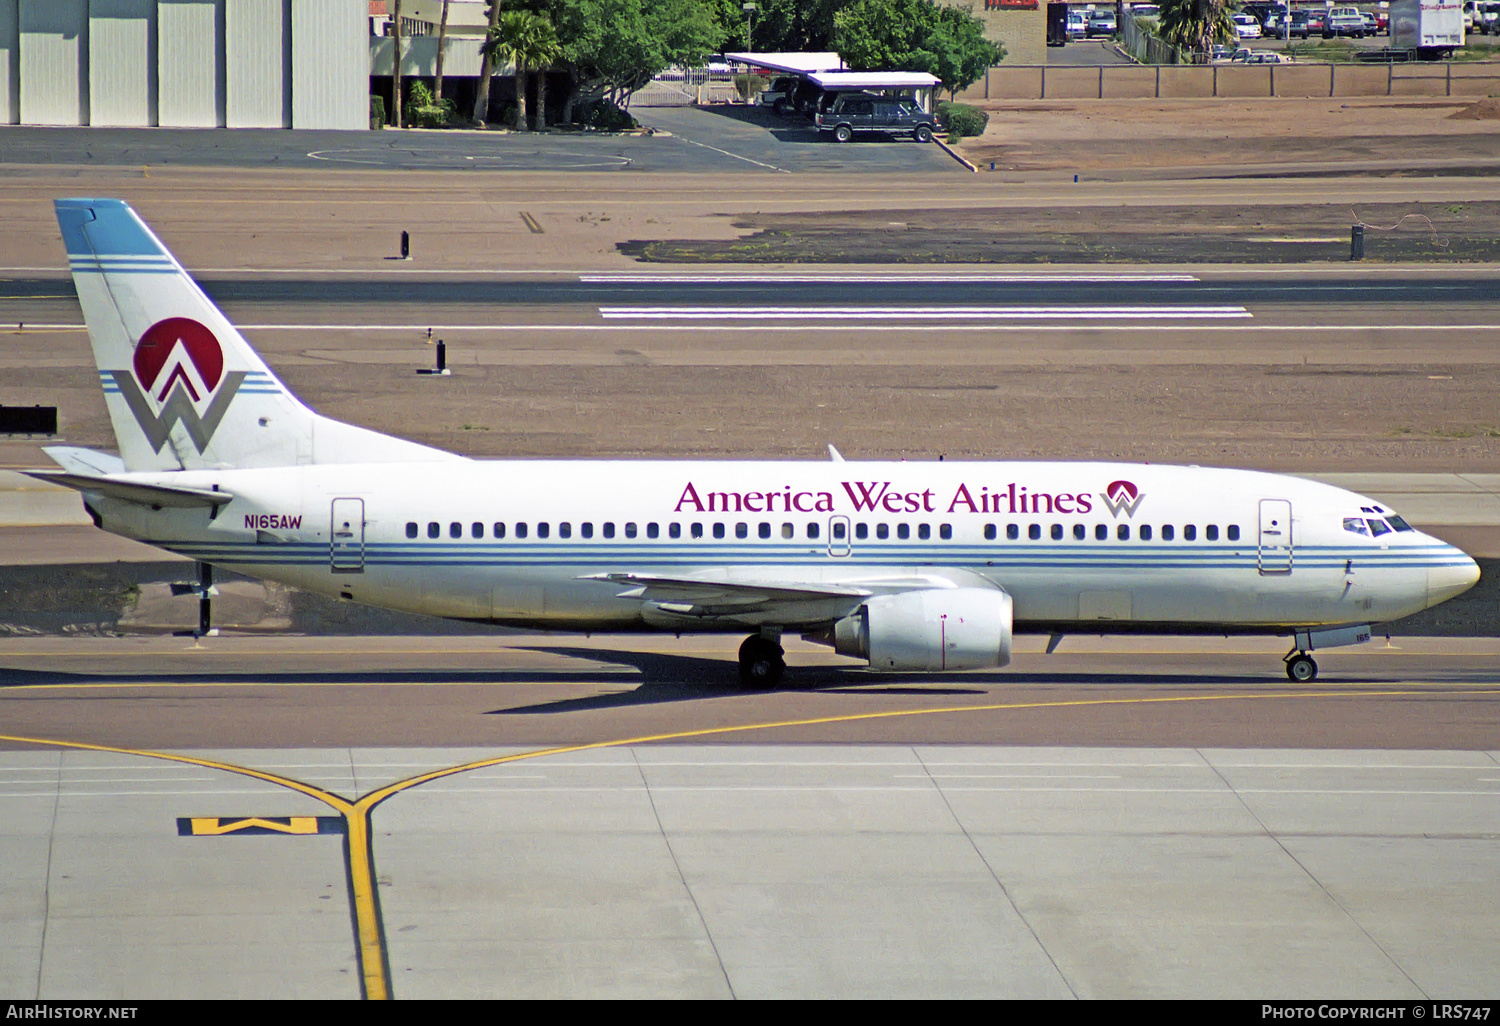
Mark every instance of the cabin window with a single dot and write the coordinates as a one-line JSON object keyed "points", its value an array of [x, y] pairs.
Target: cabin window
{"points": [[434, 529], [812, 530], [1167, 532], [565, 530], [1232, 532], [882, 531], [1080, 532], [1012, 532], [1145, 532], [608, 529], [543, 529], [945, 531], [455, 530], [586, 529], [990, 532], [861, 531], [1189, 532], [499, 529], [1034, 531], [697, 530], [1101, 532], [903, 531], [521, 530], [1378, 527], [1399, 524], [652, 530], [718, 530], [674, 530], [788, 531], [1123, 532], [411, 528], [924, 532], [629, 529], [742, 530], [476, 530], [838, 529], [1057, 532], [764, 530], [1211, 532]]}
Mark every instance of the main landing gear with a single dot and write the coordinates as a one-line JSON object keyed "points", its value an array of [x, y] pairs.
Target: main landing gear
{"points": [[762, 662], [1300, 666]]}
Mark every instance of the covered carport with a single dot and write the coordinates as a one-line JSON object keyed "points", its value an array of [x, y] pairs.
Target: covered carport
{"points": [[918, 86], [800, 64]]}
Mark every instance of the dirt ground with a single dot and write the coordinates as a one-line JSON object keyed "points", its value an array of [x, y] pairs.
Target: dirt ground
{"points": [[1238, 135]]}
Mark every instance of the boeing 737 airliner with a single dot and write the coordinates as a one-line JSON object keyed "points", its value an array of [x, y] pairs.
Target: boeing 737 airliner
{"points": [[910, 566]]}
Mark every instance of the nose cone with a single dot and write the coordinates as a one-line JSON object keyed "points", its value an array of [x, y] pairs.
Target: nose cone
{"points": [[1458, 576]]}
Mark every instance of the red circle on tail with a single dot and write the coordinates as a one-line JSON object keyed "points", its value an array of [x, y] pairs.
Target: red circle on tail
{"points": [[159, 340]]}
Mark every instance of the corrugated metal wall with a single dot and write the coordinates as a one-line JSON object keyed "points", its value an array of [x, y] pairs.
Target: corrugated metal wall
{"points": [[54, 63], [185, 63], [330, 65], [10, 61], [190, 63], [122, 62], [258, 77]]}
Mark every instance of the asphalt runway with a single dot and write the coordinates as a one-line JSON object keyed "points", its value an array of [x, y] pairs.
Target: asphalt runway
{"points": [[247, 692], [516, 815]]}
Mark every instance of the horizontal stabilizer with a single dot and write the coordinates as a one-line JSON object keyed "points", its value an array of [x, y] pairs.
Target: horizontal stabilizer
{"points": [[134, 491], [84, 461]]}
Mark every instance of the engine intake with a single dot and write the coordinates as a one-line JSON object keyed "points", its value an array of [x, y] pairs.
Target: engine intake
{"points": [[937, 629]]}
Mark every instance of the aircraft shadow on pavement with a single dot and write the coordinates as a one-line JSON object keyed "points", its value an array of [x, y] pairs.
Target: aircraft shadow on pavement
{"points": [[678, 678]]}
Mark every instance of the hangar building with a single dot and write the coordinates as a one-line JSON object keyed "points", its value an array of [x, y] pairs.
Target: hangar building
{"points": [[185, 63]]}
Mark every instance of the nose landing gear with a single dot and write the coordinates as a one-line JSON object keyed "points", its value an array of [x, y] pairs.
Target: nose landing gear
{"points": [[762, 662], [1300, 666]]}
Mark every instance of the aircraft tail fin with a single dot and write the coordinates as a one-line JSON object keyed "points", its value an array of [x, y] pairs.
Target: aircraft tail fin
{"points": [[184, 390]]}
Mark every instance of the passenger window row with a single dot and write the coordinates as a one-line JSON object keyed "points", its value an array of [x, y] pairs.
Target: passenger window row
{"points": [[763, 530], [1122, 532]]}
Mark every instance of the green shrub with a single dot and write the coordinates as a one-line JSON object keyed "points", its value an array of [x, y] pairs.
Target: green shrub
{"points": [[963, 121], [606, 117], [377, 111], [749, 85], [423, 110]]}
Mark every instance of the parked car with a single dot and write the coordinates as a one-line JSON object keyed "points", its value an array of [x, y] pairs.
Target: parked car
{"points": [[1101, 23], [864, 114], [1246, 27], [1487, 18], [1344, 21], [1372, 27], [1299, 26], [1267, 57], [1317, 21], [1078, 25]]}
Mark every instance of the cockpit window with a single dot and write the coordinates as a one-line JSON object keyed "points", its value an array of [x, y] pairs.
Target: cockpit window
{"points": [[1356, 524], [1378, 527], [1398, 523]]}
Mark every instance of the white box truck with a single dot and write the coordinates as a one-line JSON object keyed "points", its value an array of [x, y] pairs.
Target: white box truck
{"points": [[1432, 28]]}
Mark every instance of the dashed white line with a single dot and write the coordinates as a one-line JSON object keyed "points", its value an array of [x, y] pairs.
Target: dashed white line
{"points": [[892, 313]]}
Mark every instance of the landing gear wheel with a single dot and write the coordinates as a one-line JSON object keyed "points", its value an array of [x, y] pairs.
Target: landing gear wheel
{"points": [[922, 133], [843, 133], [1301, 668], [762, 662]]}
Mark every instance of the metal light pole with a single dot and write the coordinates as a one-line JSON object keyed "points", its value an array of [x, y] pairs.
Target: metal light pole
{"points": [[749, 10]]}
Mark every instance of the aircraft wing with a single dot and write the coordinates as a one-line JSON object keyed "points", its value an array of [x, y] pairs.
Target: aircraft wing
{"points": [[134, 491], [710, 598]]}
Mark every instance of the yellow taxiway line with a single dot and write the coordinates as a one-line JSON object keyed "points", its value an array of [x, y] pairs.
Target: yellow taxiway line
{"points": [[359, 850]]}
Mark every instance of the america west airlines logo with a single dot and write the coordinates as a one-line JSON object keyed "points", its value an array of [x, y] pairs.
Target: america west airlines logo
{"points": [[1122, 497], [177, 377]]}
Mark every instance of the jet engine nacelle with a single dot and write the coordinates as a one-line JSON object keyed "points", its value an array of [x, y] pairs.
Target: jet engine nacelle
{"points": [[938, 629]]}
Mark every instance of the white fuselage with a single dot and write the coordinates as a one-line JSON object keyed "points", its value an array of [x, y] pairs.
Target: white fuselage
{"points": [[1096, 547]]}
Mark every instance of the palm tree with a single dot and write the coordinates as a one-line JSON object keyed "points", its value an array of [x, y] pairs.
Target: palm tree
{"points": [[1196, 24], [486, 68], [530, 41], [437, 85]]}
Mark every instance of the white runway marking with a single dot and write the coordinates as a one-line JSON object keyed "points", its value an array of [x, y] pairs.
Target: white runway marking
{"points": [[893, 313], [991, 327], [736, 156], [773, 279]]}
